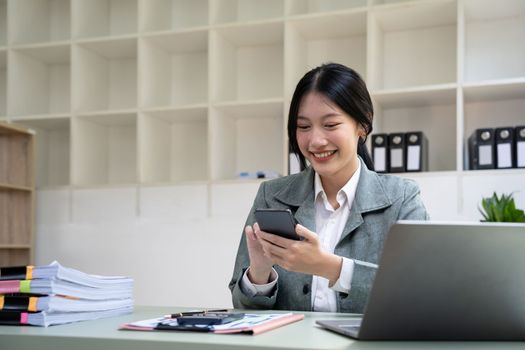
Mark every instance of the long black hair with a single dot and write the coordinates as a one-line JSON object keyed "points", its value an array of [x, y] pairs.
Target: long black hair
{"points": [[345, 88]]}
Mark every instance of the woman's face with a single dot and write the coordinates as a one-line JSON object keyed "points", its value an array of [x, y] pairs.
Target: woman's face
{"points": [[328, 138]]}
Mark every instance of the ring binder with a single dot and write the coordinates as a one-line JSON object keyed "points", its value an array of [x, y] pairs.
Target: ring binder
{"points": [[380, 152], [481, 149], [416, 151], [505, 154], [520, 146], [396, 144]]}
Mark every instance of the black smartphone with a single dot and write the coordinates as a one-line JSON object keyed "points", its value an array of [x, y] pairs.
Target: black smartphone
{"points": [[277, 221]]}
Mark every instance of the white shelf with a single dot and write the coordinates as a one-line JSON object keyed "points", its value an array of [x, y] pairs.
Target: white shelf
{"points": [[174, 69], [40, 80], [105, 75], [304, 7], [52, 147], [246, 137], [494, 45], [174, 145], [495, 90], [216, 77], [247, 62], [316, 40], [104, 149], [414, 97], [437, 119], [229, 11], [414, 44], [3, 22], [39, 21], [493, 113], [166, 15], [104, 18]]}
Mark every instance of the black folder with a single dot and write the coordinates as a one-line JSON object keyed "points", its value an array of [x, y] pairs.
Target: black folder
{"points": [[519, 133], [397, 152], [416, 151], [481, 149], [505, 151], [380, 152]]}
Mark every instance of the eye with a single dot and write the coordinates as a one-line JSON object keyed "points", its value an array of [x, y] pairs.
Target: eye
{"points": [[331, 125], [303, 127]]}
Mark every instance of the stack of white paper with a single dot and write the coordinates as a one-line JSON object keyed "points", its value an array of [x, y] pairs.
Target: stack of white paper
{"points": [[53, 294]]}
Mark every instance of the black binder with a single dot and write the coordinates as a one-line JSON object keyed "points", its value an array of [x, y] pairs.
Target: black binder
{"points": [[505, 151], [416, 151], [519, 133], [380, 152], [481, 149], [397, 152]]}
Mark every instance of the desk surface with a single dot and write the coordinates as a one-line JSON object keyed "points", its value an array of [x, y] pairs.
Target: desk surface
{"points": [[104, 334]]}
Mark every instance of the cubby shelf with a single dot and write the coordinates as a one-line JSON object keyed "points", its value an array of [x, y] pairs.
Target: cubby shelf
{"points": [[16, 195], [195, 88]]}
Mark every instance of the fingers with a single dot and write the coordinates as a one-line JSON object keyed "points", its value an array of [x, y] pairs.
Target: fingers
{"points": [[304, 232], [270, 237], [248, 230]]}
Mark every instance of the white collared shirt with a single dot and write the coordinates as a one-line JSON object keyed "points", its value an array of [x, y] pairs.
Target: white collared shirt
{"points": [[329, 227]]}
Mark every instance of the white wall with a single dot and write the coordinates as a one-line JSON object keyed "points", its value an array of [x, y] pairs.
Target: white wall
{"points": [[179, 242]]}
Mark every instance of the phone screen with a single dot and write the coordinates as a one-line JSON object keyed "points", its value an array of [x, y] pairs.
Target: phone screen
{"points": [[277, 221]]}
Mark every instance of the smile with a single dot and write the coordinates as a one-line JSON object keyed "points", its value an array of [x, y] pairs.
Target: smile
{"points": [[323, 154]]}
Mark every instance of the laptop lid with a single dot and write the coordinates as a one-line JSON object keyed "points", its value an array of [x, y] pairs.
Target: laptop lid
{"points": [[449, 281]]}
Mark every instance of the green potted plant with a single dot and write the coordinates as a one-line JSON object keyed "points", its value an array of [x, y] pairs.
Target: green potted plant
{"points": [[501, 209]]}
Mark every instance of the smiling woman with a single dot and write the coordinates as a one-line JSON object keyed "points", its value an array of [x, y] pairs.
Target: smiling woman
{"points": [[344, 209]]}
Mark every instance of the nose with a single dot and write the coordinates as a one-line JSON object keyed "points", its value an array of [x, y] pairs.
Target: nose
{"points": [[317, 139]]}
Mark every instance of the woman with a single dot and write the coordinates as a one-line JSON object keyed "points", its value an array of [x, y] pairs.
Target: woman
{"points": [[343, 209]]}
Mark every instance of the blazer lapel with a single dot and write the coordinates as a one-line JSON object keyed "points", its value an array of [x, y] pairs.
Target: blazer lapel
{"points": [[370, 196], [300, 194]]}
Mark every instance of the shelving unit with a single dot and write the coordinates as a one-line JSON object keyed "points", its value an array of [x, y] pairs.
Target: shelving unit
{"points": [[239, 142], [198, 90], [41, 75], [238, 11], [167, 15], [104, 18], [105, 75], [3, 83], [174, 145], [39, 21], [104, 149], [170, 63], [247, 62], [16, 195]]}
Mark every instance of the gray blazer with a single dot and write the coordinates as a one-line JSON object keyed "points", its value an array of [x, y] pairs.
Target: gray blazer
{"points": [[380, 201]]}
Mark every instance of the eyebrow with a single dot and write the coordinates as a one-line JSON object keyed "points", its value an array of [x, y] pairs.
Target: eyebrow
{"points": [[322, 117]]}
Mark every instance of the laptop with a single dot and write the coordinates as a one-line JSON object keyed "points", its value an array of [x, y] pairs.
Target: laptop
{"points": [[445, 281]]}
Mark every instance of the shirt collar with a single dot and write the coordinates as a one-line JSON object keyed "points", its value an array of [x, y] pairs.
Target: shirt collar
{"points": [[349, 189]]}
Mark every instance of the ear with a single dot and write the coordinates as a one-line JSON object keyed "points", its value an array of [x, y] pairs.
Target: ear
{"points": [[361, 132]]}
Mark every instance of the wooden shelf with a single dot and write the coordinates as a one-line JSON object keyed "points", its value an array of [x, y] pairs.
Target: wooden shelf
{"points": [[16, 195]]}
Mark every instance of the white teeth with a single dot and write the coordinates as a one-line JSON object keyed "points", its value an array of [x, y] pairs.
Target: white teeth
{"points": [[324, 154]]}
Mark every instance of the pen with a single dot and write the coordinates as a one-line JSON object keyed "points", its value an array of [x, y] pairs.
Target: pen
{"points": [[192, 313]]}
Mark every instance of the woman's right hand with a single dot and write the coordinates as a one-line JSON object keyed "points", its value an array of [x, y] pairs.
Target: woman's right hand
{"points": [[260, 265]]}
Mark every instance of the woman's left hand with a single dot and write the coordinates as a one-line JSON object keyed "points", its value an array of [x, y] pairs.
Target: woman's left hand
{"points": [[306, 256]]}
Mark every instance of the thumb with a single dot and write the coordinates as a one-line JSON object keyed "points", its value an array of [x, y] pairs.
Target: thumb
{"points": [[248, 230], [304, 232]]}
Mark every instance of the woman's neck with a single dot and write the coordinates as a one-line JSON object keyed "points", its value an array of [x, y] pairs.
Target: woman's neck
{"points": [[334, 183]]}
